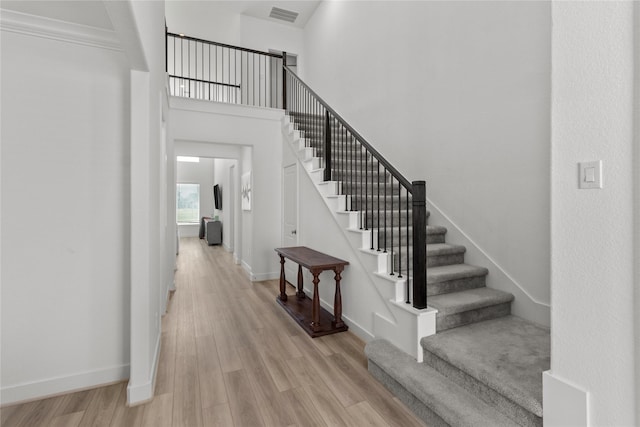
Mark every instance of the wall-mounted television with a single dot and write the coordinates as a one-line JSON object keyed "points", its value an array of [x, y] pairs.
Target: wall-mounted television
{"points": [[217, 197]]}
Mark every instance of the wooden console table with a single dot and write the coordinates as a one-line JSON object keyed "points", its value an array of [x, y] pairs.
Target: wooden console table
{"points": [[315, 320]]}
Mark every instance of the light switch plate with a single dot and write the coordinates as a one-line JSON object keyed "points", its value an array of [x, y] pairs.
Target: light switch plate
{"points": [[590, 175]]}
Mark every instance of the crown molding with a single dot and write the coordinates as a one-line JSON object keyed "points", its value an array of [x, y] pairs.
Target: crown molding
{"points": [[38, 26]]}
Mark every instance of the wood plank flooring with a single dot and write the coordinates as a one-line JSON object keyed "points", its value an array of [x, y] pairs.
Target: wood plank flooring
{"points": [[231, 356]]}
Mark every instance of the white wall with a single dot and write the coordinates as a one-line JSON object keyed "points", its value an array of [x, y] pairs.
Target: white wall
{"points": [[222, 178], [65, 206], [197, 173], [592, 284], [208, 20], [217, 21], [457, 94], [253, 137], [247, 218], [152, 241]]}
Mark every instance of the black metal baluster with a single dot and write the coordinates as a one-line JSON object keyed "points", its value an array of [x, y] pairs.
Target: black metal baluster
{"points": [[327, 142], [354, 189], [343, 174], [391, 227], [378, 188], [399, 232], [407, 239], [216, 75], [198, 83], [359, 166], [366, 192], [385, 210], [371, 216], [253, 78]]}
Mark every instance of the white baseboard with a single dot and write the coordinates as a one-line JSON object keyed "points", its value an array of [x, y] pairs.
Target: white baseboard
{"points": [[259, 277], [141, 393], [266, 276], [354, 327], [64, 384], [247, 269], [564, 403], [525, 305]]}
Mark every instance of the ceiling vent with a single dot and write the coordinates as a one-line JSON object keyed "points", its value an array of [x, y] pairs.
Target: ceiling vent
{"points": [[283, 14]]}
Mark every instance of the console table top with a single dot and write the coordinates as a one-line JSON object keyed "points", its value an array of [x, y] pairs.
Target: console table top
{"points": [[310, 258]]}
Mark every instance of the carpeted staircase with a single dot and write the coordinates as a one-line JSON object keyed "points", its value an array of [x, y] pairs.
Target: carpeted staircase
{"points": [[484, 366]]}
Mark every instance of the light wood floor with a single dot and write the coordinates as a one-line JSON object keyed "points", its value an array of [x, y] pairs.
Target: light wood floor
{"points": [[231, 356]]}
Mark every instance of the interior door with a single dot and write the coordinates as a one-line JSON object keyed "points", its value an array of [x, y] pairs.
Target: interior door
{"points": [[230, 231], [290, 217]]}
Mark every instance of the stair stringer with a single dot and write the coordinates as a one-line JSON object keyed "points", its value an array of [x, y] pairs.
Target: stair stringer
{"points": [[402, 325]]}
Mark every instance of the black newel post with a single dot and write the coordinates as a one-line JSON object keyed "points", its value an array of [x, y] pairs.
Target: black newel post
{"points": [[419, 209], [284, 81], [327, 147]]}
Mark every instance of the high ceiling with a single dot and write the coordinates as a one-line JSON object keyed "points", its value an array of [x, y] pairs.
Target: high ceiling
{"points": [[94, 14], [262, 8]]}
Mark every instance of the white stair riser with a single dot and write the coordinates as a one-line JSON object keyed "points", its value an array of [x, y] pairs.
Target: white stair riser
{"points": [[401, 330]]}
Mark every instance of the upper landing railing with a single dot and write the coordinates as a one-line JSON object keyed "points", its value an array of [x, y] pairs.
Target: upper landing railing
{"points": [[212, 71], [389, 205]]}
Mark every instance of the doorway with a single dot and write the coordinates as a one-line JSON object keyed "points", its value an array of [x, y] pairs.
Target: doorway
{"points": [[275, 81], [290, 213]]}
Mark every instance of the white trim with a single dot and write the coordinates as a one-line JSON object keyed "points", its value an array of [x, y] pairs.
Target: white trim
{"points": [[541, 314], [486, 255], [53, 29], [63, 384], [354, 327], [265, 276], [564, 404], [247, 269], [137, 394], [225, 109]]}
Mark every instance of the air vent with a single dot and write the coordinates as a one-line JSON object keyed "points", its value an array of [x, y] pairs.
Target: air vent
{"points": [[283, 14]]}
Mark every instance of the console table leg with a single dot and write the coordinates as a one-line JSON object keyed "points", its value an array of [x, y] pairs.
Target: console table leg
{"points": [[315, 313], [283, 291], [300, 292], [337, 303]]}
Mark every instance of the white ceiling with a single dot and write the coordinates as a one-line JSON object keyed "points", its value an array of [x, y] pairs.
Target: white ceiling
{"points": [[262, 8], [85, 12], [93, 13]]}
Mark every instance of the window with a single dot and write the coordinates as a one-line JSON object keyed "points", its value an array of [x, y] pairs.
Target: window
{"points": [[188, 203]]}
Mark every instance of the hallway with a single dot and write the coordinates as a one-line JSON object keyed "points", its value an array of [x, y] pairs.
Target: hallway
{"points": [[230, 356]]}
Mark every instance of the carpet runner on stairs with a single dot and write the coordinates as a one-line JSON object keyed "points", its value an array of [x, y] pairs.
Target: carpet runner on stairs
{"points": [[471, 373], [483, 367]]}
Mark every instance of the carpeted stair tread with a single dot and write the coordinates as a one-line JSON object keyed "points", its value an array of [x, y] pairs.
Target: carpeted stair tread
{"points": [[435, 249], [471, 299], [507, 354], [454, 272], [418, 386], [436, 229]]}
